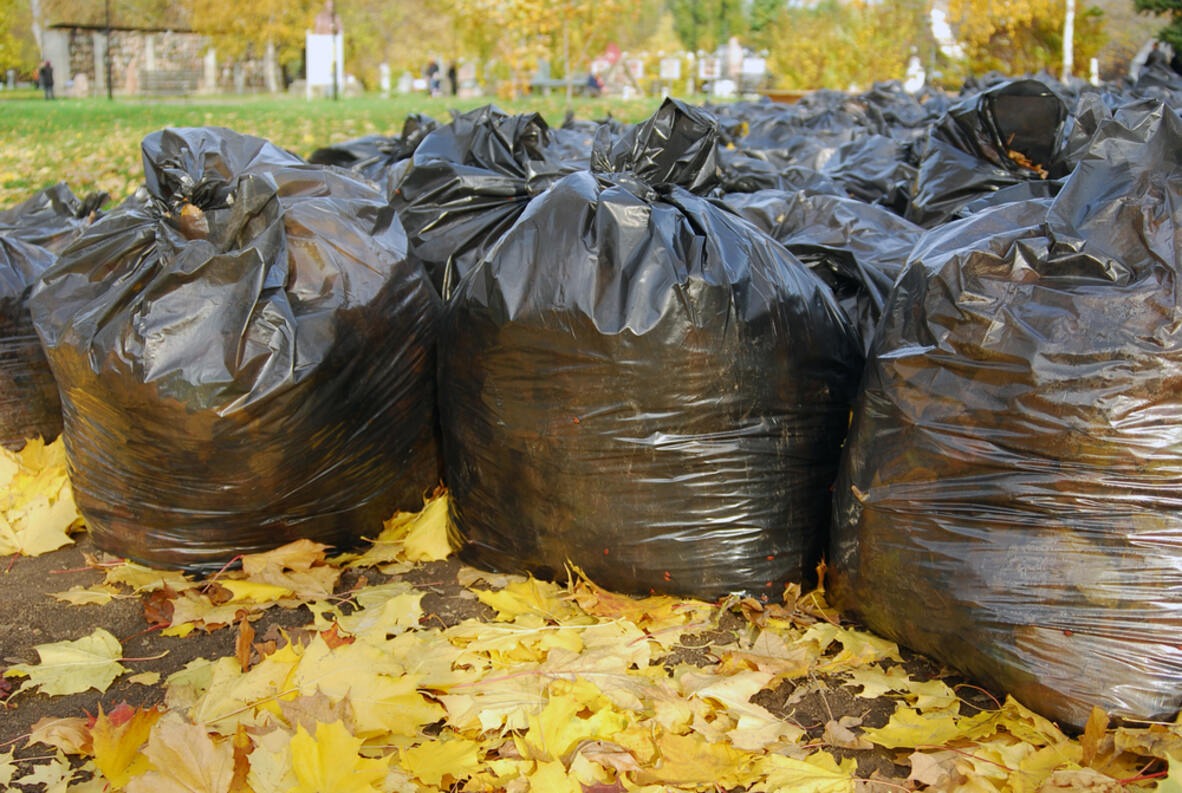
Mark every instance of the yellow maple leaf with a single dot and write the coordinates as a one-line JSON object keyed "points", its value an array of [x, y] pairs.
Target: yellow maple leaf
{"points": [[434, 761], [858, 647], [818, 773], [117, 744], [911, 729], [270, 764], [42, 526], [254, 592], [552, 777], [8, 768], [71, 667], [85, 596], [298, 566], [691, 760], [561, 725], [330, 763], [69, 734], [519, 598], [391, 706], [186, 760], [37, 511], [414, 536], [426, 536], [146, 579]]}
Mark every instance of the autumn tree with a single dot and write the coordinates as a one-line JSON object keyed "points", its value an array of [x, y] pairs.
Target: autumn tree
{"points": [[1039, 45], [14, 50], [402, 35], [705, 24], [1172, 11], [519, 33], [836, 44], [238, 29]]}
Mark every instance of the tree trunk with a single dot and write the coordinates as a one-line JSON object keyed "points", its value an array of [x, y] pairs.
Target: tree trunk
{"points": [[1069, 40]]}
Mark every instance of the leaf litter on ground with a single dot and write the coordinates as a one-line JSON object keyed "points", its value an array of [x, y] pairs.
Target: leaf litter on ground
{"points": [[554, 688]]}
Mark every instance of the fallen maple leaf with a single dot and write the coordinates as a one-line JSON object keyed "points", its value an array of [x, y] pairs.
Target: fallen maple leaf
{"points": [[117, 740], [185, 759], [426, 537], [85, 596], [820, 772], [299, 567], [908, 729], [693, 761], [71, 667], [519, 598], [37, 511], [433, 762], [69, 734], [329, 763], [7, 768]]}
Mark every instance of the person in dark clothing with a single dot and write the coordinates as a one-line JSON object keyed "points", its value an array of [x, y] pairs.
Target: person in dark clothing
{"points": [[45, 78], [1156, 57], [451, 78], [433, 78]]}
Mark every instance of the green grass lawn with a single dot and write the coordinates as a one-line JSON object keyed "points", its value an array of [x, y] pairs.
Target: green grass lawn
{"points": [[93, 144]]}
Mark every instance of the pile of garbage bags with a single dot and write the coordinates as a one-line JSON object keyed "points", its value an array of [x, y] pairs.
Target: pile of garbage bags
{"points": [[31, 235], [245, 355], [635, 350]]}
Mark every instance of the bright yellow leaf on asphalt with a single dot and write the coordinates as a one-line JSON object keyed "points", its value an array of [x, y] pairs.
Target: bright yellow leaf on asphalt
{"points": [[330, 763], [71, 667], [85, 596]]}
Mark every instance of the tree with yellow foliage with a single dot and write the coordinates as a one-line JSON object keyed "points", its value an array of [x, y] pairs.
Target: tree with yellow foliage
{"points": [[519, 33], [839, 44], [238, 29], [1017, 36]]}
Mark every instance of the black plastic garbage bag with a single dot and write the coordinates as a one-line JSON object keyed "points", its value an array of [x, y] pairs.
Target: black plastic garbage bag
{"points": [[29, 404], [51, 218], [379, 158], [1010, 498], [640, 383], [466, 185], [1008, 134], [245, 357], [874, 169], [857, 249]]}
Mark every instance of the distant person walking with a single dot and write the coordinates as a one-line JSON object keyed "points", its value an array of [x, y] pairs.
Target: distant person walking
{"points": [[451, 78], [45, 79]]}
